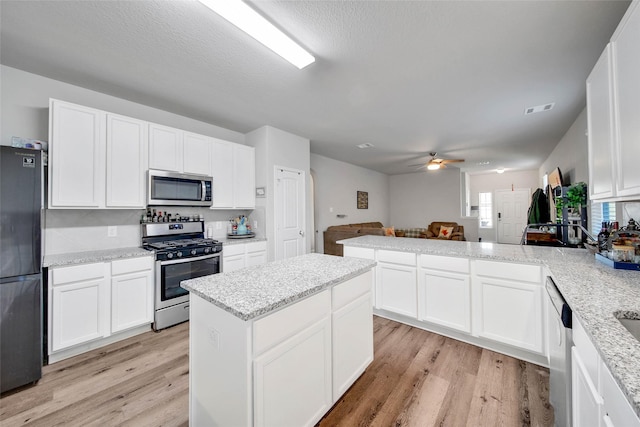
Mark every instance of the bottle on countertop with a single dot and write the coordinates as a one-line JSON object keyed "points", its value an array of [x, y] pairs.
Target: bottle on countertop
{"points": [[603, 237]]}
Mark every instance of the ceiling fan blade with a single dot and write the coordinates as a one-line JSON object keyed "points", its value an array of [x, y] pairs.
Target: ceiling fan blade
{"points": [[452, 161]]}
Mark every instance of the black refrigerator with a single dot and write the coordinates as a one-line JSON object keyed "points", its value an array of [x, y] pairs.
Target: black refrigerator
{"points": [[21, 201]]}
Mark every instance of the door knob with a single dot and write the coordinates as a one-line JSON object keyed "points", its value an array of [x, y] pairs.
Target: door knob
{"points": [[301, 233]]}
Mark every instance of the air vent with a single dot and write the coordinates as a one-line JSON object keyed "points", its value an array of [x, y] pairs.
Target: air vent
{"points": [[539, 108], [365, 145]]}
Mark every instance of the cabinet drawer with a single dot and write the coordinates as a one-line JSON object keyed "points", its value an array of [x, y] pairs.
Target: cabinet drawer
{"points": [[435, 262], [395, 257], [586, 349], [509, 271], [282, 324], [350, 290], [131, 265], [256, 247], [235, 249], [77, 273], [366, 253]]}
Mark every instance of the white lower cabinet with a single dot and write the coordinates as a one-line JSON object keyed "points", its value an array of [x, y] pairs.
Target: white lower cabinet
{"points": [[240, 255], [444, 292], [79, 305], [90, 302], [396, 282], [509, 304], [131, 293], [587, 402]]}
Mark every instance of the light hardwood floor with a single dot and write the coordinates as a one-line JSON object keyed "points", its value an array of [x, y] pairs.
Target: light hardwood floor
{"points": [[417, 379]]}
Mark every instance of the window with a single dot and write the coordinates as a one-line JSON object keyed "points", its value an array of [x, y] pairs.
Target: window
{"points": [[601, 212], [485, 208]]}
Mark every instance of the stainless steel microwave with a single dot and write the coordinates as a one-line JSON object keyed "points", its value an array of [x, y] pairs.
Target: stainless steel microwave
{"points": [[178, 189]]}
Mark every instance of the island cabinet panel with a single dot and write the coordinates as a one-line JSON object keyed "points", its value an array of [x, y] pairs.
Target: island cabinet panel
{"points": [[364, 253], [587, 403], [617, 410], [444, 292], [396, 283], [352, 323], [509, 304]]}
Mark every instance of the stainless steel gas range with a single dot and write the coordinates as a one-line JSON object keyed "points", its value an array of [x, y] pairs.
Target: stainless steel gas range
{"points": [[181, 253]]}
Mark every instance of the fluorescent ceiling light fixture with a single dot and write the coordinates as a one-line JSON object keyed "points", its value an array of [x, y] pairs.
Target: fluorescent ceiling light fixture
{"points": [[251, 22], [433, 166]]}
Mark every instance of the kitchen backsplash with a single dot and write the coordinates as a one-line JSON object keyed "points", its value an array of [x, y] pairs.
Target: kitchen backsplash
{"points": [[79, 230]]}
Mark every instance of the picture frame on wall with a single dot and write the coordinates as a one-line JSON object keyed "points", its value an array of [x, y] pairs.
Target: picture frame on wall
{"points": [[362, 200]]}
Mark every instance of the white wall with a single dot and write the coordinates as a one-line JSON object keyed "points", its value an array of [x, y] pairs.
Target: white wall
{"points": [[24, 105], [417, 199], [489, 183], [335, 186], [570, 155], [275, 147]]}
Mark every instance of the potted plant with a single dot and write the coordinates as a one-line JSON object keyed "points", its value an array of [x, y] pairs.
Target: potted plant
{"points": [[574, 199]]}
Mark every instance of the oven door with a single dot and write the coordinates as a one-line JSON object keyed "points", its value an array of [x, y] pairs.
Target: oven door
{"points": [[169, 274]]}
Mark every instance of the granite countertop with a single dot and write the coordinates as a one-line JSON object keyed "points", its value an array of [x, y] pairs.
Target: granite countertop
{"points": [[226, 241], [258, 290], [73, 258], [593, 290]]}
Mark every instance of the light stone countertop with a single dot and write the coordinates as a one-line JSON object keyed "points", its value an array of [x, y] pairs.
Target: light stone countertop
{"points": [[593, 290], [254, 291], [102, 255], [74, 258]]}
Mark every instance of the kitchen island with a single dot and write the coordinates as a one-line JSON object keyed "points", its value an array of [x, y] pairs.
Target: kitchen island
{"points": [[471, 270], [278, 344]]}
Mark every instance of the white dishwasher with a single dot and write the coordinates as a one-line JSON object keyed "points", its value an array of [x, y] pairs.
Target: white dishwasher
{"points": [[559, 343]]}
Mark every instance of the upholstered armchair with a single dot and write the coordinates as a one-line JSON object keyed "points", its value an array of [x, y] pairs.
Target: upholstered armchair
{"points": [[456, 233]]}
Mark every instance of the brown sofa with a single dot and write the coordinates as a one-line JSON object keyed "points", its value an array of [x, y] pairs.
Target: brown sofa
{"points": [[347, 231], [434, 230]]}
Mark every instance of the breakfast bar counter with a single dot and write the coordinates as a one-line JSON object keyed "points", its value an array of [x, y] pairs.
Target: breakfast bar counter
{"points": [[278, 343]]}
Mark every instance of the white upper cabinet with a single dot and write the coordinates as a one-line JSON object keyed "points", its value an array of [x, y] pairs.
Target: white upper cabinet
{"points": [[244, 176], [197, 154], [613, 107], [600, 122], [233, 168], [127, 146], [222, 173], [76, 164], [165, 148], [626, 84]]}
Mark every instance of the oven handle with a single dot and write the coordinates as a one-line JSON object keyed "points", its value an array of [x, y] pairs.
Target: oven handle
{"points": [[181, 260]]}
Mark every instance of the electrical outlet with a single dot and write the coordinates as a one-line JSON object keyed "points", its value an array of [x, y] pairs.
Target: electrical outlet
{"points": [[255, 225], [214, 338], [112, 231], [330, 210]]}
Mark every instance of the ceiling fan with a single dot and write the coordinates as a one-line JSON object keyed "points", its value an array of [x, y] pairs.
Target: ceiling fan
{"points": [[439, 163]]}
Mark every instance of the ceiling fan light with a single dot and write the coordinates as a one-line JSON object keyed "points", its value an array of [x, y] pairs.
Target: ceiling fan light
{"points": [[251, 22], [433, 166], [501, 170]]}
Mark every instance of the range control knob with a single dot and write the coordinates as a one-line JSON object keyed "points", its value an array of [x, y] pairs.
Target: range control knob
{"points": [[207, 250], [169, 255], [193, 252], [178, 254]]}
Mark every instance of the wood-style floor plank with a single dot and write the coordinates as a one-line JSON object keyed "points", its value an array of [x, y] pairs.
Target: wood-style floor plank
{"points": [[416, 379]]}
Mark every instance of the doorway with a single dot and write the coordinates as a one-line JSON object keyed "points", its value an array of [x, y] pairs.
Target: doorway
{"points": [[511, 209], [289, 212]]}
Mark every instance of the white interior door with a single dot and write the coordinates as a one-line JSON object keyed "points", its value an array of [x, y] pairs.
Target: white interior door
{"points": [[289, 213], [511, 208]]}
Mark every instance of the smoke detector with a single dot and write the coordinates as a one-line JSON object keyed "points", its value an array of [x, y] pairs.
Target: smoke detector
{"points": [[539, 108]]}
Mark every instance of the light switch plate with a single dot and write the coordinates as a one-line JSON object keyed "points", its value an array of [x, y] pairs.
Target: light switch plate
{"points": [[112, 231]]}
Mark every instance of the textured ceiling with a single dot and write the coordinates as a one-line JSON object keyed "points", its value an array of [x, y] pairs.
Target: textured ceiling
{"points": [[409, 77]]}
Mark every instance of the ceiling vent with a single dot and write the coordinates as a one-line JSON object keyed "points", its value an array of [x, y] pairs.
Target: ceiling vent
{"points": [[365, 145], [539, 108]]}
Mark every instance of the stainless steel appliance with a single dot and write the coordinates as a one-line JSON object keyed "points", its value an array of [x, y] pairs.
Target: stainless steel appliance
{"points": [[182, 253], [559, 340], [178, 189], [21, 344]]}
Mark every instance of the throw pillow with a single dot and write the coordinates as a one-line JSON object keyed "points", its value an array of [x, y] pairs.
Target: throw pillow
{"points": [[445, 232], [389, 231]]}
